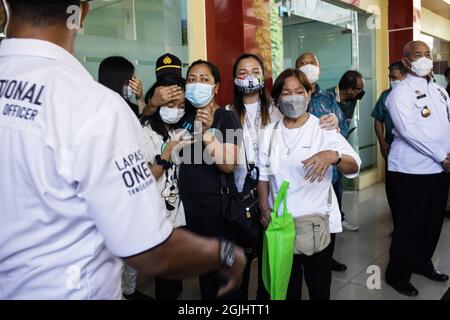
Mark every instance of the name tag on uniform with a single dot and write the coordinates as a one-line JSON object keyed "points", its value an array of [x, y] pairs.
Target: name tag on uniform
{"points": [[421, 96]]}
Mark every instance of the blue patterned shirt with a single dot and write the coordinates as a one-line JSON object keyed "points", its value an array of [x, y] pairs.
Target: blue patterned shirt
{"points": [[324, 103]]}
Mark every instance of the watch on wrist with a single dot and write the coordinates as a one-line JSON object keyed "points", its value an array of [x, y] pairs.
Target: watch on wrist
{"points": [[163, 163], [339, 155], [227, 254]]}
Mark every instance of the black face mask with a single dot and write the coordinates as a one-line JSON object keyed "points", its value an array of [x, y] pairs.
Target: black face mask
{"points": [[360, 95]]}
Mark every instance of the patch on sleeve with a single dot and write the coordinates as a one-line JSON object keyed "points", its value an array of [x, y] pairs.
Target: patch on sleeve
{"points": [[135, 172]]}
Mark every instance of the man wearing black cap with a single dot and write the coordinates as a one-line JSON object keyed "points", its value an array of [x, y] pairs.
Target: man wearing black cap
{"points": [[168, 68], [77, 196]]}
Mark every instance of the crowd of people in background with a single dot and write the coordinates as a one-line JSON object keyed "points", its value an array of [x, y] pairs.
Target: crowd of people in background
{"points": [[174, 106], [303, 112]]}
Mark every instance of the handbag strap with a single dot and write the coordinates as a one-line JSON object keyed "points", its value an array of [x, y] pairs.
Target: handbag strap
{"points": [[224, 188], [269, 152], [274, 131], [282, 193], [245, 154], [330, 200]]}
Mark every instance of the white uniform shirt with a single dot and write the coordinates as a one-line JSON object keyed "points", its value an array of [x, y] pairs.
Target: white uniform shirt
{"points": [[154, 145], [249, 134], [303, 196], [75, 189], [421, 143]]}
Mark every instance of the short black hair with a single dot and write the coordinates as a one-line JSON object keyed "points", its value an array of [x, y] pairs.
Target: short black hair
{"points": [[212, 68], [115, 72], [350, 79], [39, 14], [447, 72], [398, 65]]}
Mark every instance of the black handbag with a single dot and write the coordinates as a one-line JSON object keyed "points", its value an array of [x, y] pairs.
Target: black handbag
{"points": [[241, 209]]}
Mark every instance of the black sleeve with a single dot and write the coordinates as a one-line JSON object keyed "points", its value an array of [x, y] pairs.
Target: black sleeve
{"points": [[229, 125]]}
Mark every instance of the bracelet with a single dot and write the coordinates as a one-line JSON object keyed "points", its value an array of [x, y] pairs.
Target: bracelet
{"points": [[339, 158], [227, 254], [164, 163]]}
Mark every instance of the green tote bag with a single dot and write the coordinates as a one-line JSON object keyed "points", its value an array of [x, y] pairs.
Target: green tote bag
{"points": [[278, 249]]}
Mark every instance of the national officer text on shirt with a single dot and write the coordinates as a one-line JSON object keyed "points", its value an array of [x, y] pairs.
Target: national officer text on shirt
{"points": [[22, 92]]}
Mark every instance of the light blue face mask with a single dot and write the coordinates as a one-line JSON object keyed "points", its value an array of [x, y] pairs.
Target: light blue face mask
{"points": [[199, 94]]}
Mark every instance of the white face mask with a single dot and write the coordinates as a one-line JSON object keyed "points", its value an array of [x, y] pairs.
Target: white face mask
{"points": [[312, 72], [395, 83], [422, 67], [171, 115], [293, 106]]}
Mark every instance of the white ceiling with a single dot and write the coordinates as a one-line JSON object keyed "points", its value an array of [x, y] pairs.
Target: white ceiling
{"points": [[439, 7]]}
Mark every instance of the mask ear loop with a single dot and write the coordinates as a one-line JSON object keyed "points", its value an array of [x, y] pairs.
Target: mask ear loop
{"points": [[410, 64], [6, 12]]}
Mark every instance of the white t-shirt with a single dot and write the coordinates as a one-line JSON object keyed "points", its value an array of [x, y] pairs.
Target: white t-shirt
{"points": [[303, 196], [251, 130], [75, 188], [168, 182]]}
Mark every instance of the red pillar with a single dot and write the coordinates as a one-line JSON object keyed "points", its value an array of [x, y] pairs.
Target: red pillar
{"points": [[234, 27], [401, 27]]}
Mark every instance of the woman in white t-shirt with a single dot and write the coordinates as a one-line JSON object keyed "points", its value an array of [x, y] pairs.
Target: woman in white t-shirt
{"points": [[296, 149], [253, 105]]}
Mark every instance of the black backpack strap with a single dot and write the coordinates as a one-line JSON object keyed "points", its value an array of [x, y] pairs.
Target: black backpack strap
{"points": [[224, 188]]}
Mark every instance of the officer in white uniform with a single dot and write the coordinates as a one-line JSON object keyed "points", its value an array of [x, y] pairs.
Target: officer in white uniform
{"points": [[419, 163], [75, 189]]}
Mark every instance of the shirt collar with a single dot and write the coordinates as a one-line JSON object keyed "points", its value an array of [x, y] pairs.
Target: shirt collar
{"points": [[43, 49], [417, 80], [317, 90]]}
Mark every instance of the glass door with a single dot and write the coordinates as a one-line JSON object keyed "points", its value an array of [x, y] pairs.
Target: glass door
{"points": [[139, 30], [342, 40]]}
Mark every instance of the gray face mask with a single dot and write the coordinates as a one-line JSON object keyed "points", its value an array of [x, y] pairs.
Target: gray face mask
{"points": [[294, 106]]}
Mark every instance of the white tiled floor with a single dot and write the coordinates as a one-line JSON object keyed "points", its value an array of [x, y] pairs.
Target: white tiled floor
{"points": [[359, 250]]}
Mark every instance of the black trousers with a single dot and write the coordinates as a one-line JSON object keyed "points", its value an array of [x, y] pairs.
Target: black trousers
{"points": [[167, 290], [261, 293], [317, 271], [338, 188], [418, 204], [388, 195], [204, 217]]}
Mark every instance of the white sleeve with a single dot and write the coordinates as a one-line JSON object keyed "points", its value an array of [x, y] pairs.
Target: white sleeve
{"points": [[150, 150], [115, 182], [262, 158], [337, 142], [403, 112]]}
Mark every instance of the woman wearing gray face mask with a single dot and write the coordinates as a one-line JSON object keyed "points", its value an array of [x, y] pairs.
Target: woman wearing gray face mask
{"points": [[298, 150]]}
